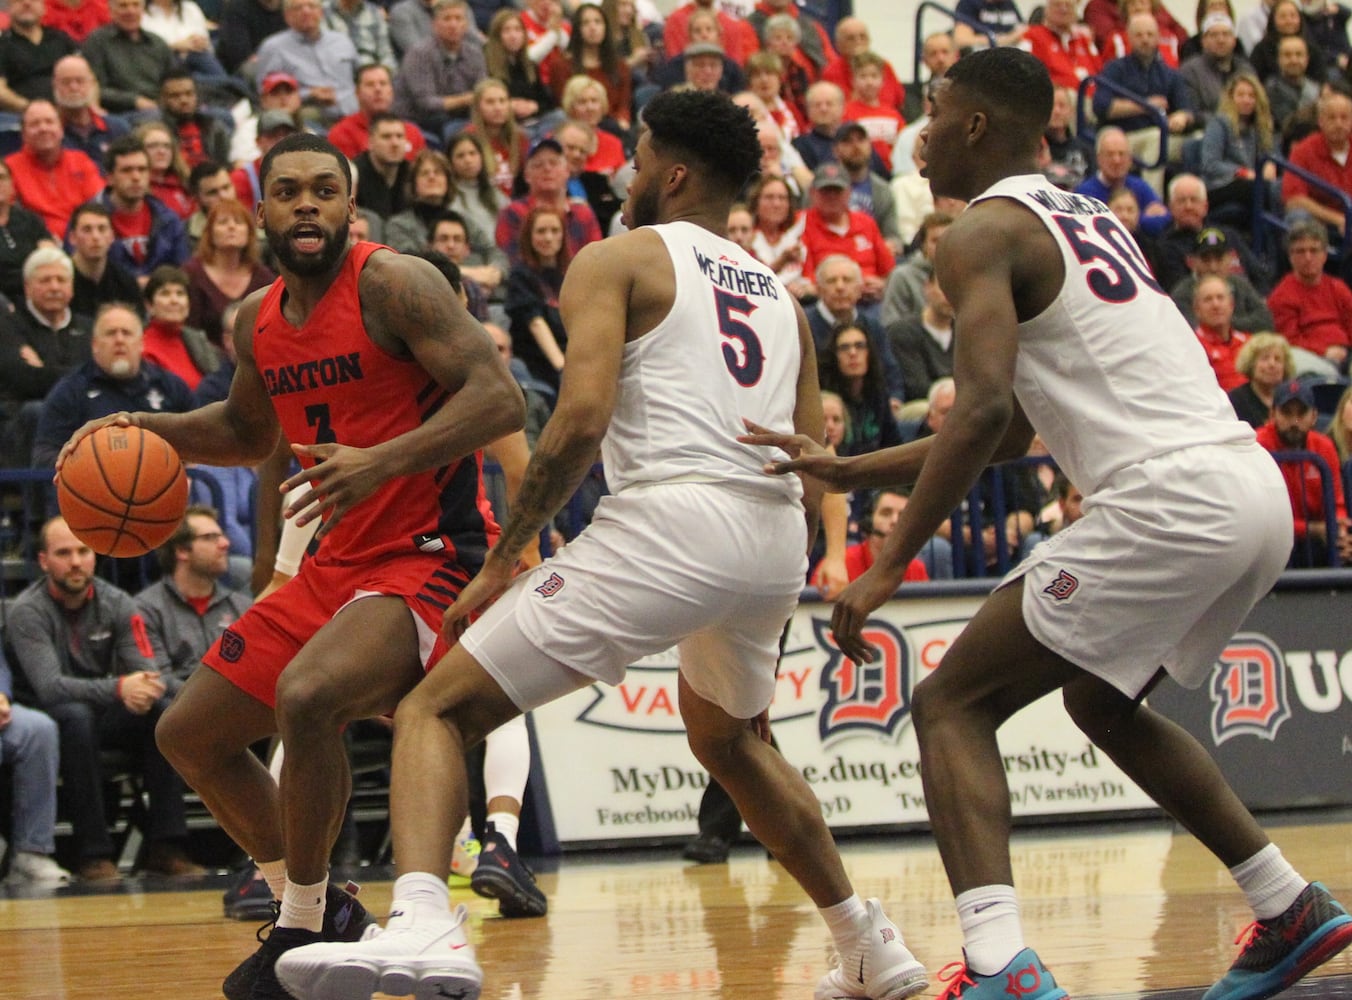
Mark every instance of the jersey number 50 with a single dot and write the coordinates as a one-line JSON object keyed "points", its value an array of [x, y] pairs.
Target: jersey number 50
{"points": [[747, 364], [1112, 280]]}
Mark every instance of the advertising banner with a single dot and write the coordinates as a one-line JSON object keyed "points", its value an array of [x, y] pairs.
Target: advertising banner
{"points": [[1277, 710], [617, 766]]}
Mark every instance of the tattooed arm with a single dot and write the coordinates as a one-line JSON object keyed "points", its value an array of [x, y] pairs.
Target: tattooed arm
{"points": [[409, 311], [600, 304]]}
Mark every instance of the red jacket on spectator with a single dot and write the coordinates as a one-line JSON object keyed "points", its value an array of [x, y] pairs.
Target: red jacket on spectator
{"points": [[1222, 353], [1303, 482], [78, 20], [1105, 16], [1315, 317], [1312, 154], [54, 193], [352, 136], [838, 71], [1068, 60], [739, 38], [861, 242]]}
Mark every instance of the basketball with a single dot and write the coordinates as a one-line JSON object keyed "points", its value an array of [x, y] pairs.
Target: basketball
{"points": [[122, 491]]}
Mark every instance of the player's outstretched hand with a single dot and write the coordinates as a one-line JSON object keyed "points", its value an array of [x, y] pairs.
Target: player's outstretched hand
{"points": [[859, 600], [341, 478], [123, 419], [495, 577], [805, 455]]}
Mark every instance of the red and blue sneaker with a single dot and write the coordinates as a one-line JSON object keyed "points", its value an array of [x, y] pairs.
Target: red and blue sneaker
{"points": [[1024, 978], [1277, 952]]}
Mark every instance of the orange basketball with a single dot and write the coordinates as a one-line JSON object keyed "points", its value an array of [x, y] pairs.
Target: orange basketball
{"points": [[122, 491]]}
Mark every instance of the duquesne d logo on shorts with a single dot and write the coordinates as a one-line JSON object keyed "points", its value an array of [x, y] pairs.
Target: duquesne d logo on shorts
{"points": [[551, 586], [1063, 586]]}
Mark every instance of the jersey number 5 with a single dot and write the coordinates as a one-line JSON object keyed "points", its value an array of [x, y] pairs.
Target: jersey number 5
{"points": [[746, 364], [1112, 280]]}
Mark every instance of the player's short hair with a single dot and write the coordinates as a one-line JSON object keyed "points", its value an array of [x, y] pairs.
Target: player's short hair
{"points": [[1012, 82], [710, 129], [304, 142]]}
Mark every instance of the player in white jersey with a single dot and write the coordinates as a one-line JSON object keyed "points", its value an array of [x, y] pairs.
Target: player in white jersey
{"points": [[674, 335], [1062, 329]]}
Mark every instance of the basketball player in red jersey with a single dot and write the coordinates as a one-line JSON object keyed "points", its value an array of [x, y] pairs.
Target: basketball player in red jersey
{"points": [[368, 358]]}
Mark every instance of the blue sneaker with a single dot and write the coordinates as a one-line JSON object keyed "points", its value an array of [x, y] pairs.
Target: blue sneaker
{"points": [[1277, 952], [1024, 978]]}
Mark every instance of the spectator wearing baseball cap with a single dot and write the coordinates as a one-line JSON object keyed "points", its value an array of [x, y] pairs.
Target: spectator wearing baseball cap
{"points": [[1207, 73], [869, 192], [546, 175], [273, 126], [278, 91], [1211, 254], [1291, 429], [323, 61], [830, 227]]}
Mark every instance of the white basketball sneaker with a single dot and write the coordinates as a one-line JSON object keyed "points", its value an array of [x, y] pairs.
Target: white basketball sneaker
{"points": [[879, 967], [426, 955]]}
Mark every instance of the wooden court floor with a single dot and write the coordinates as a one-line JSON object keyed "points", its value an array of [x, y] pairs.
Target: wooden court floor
{"points": [[1130, 910]]}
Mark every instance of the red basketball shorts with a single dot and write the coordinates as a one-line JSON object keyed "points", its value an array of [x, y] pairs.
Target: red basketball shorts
{"points": [[253, 652]]}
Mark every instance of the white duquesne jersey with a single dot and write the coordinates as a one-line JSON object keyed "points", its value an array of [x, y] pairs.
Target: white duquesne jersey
{"points": [[1110, 374], [728, 349]]}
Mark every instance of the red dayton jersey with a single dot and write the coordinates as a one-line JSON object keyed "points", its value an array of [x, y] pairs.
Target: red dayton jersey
{"points": [[330, 383]]}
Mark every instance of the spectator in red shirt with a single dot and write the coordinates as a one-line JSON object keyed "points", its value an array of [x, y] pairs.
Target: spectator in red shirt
{"points": [[882, 122], [375, 95], [831, 228], [1311, 309], [1063, 45], [546, 175], [875, 527], [1292, 429], [1214, 305], [76, 18], [739, 38], [852, 39], [1323, 153], [49, 179]]}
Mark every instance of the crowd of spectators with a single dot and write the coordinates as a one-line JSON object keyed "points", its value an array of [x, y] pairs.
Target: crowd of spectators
{"points": [[499, 135]]}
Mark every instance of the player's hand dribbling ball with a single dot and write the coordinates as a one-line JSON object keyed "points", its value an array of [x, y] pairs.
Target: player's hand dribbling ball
{"points": [[122, 490]]}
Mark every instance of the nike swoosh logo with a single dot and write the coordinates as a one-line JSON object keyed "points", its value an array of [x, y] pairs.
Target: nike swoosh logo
{"points": [[861, 968], [983, 907]]}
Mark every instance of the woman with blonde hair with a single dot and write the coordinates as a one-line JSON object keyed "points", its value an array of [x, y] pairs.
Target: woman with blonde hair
{"points": [[168, 171], [1237, 136], [491, 118], [225, 267], [1341, 428], [508, 60], [585, 99], [1266, 362]]}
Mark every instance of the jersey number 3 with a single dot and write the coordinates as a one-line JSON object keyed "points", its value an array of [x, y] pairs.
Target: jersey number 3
{"points": [[747, 363], [1113, 269]]}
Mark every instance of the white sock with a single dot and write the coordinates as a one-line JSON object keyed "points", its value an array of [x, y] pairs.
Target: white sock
{"points": [[303, 905], [506, 824], [424, 891], [991, 931], [845, 920], [274, 873], [1268, 881]]}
